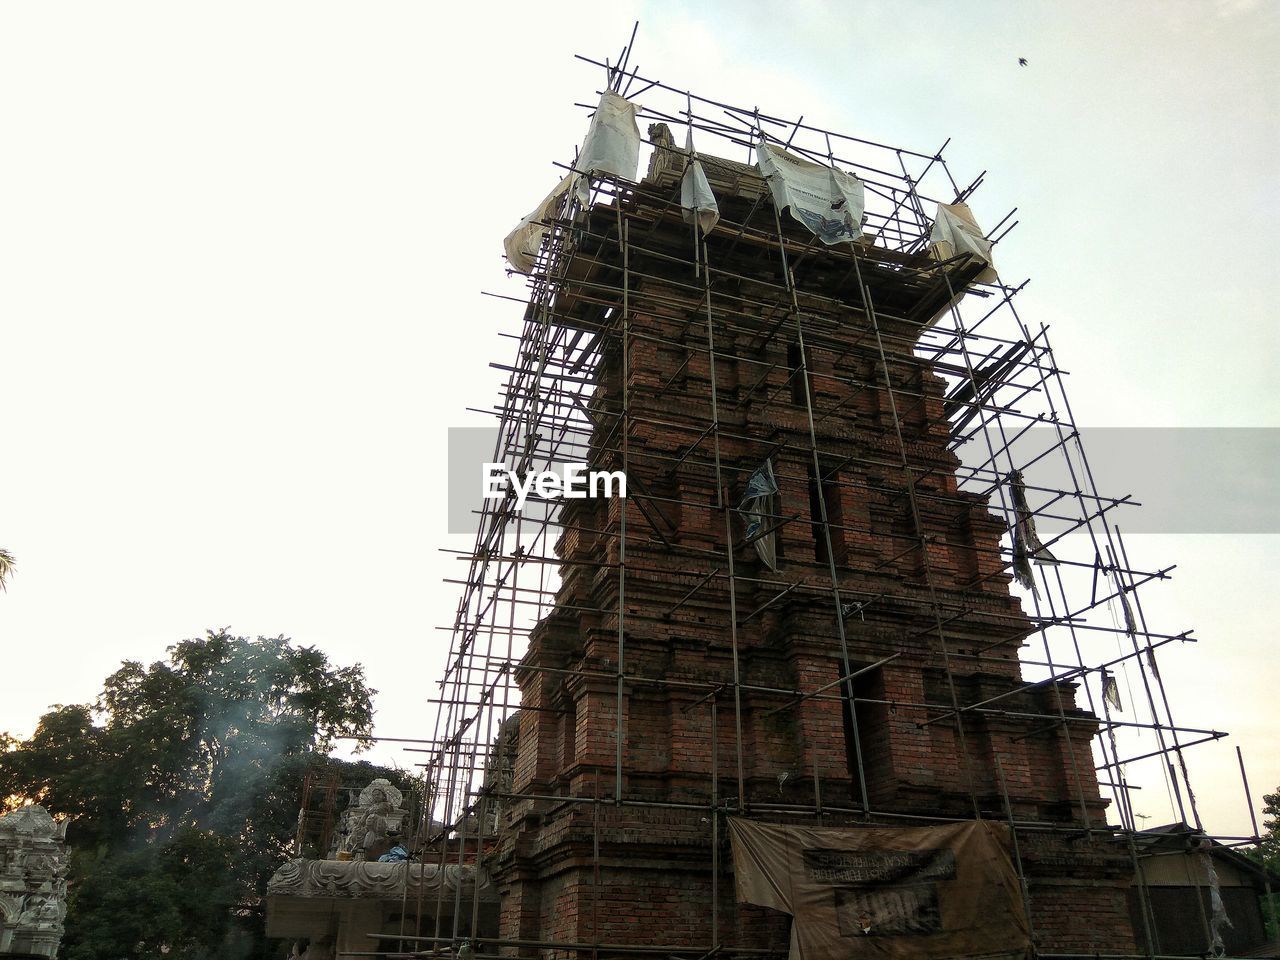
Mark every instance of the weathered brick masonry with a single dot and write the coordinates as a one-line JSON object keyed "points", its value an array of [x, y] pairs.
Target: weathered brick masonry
{"points": [[640, 870]]}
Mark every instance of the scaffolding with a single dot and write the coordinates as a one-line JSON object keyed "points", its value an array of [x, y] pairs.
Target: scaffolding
{"points": [[1008, 419]]}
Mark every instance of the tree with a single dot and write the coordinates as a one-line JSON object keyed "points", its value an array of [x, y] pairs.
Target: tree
{"points": [[1269, 854], [7, 563], [183, 782], [1270, 845]]}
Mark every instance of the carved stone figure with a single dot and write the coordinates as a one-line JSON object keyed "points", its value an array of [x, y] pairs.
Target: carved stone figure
{"points": [[372, 825], [666, 154], [33, 886]]}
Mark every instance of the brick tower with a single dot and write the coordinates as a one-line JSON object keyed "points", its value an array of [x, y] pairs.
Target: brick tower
{"points": [[872, 677]]}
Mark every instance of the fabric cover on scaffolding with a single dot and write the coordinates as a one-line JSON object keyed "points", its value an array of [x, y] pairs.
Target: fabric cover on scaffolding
{"points": [[1130, 625], [923, 893], [829, 201], [523, 243], [612, 146], [1111, 690], [1026, 542], [697, 202], [955, 232], [756, 506]]}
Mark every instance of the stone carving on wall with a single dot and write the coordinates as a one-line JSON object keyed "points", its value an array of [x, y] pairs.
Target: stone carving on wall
{"points": [[372, 825], [33, 884], [337, 878]]}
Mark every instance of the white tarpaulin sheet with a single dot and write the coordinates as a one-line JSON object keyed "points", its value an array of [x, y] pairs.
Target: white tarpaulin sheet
{"points": [[830, 202], [955, 232], [522, 244], [697, 201], [612, 146]]}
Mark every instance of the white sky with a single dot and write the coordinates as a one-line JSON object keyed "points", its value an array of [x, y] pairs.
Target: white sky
{"points": [[240, 290]]}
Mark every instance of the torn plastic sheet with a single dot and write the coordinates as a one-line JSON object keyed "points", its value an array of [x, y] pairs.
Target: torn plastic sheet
{"points": [[523, 243], [1026, 542], [612, 146], [1022, 564], [955, 232], [1111, 690], [1025, 520], [1130, 625], [697, 202], [756, 507], [827, 200]]}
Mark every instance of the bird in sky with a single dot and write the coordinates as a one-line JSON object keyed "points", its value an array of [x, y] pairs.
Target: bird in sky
{"points": [[1022, 61]]}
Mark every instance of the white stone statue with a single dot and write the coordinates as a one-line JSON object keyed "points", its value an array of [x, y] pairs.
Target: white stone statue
{"points": [[33, 886], [372, 825]]}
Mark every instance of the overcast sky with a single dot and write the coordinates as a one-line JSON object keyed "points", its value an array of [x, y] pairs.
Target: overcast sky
{"points": [[242, 247]]}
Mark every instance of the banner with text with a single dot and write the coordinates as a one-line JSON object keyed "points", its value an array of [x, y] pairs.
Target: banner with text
{"points": [[886, 892]]}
